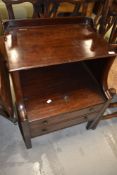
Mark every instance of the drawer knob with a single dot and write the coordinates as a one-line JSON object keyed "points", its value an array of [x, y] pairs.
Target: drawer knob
{"points": [[45, 122], [44, 130], [91, 109], [86, 117]]}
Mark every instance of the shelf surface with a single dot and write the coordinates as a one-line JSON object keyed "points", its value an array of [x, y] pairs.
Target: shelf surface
{"points": [[53, 44], [58, 89]]}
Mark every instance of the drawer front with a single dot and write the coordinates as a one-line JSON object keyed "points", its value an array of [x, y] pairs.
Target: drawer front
{"points": [[67, 116], [39, 129]]}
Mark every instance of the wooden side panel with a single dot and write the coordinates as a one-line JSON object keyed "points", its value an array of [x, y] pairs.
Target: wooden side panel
{"points": [[100, 69], [6, 105]]}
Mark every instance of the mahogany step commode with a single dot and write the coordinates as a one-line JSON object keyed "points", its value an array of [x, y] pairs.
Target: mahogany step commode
{"points": [[58, 68]]}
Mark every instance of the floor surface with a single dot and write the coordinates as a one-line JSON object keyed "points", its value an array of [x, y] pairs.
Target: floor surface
{"points": [[72, 151]]}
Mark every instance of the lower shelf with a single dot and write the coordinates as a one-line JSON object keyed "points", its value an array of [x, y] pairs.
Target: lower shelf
{"points": [[56, 90]]}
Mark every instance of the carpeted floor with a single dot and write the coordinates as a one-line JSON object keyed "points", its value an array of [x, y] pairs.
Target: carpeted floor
{"points": [[71, 151]]}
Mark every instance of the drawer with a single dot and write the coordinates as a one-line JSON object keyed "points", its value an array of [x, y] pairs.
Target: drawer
{"points": [[39, 129], [67, 116]]}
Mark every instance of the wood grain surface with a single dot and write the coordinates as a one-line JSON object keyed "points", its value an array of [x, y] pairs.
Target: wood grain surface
{"points": [[59, 89], [53, 44]]}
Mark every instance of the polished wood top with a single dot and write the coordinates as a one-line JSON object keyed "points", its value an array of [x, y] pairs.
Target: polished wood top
{"points": [[40, 46]]}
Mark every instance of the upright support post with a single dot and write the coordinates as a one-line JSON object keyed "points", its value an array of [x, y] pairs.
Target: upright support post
{"points": [[93, 124], [24, 125]]}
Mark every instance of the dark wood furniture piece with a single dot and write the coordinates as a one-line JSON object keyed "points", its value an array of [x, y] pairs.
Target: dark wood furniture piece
{"points": [[59, 69], [78, 7], [112, 16], [49, 8], [106, 23]]}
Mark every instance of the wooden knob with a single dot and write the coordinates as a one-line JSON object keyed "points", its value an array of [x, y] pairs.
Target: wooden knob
{"points": [[44, 130], [112, 91], [45, 122], [91, 109], [85, 117]]}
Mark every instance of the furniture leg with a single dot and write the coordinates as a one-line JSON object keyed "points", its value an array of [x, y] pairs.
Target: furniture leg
{"points": [[24, 128], [93, 124]]}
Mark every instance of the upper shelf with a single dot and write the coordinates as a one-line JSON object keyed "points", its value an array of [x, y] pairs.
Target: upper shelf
{"points": [[44, 42]]}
